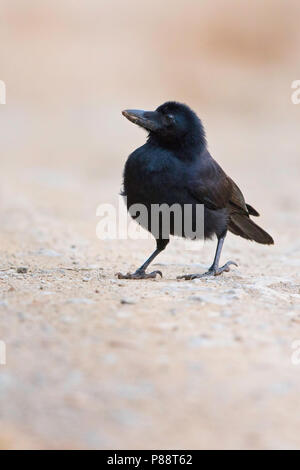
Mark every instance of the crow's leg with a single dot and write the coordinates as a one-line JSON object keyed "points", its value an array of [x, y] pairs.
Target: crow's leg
{"points": [[141, 272], [214, 270]]}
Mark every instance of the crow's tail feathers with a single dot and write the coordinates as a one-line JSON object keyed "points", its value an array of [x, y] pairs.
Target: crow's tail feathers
{"points": [[252, 211], [241, 225]]}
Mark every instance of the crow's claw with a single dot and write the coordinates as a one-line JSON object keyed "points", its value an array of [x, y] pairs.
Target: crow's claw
{"points": [[139, 275]]}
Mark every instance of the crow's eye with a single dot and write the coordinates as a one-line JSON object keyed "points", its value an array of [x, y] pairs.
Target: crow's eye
{"points": [[169, 118]]}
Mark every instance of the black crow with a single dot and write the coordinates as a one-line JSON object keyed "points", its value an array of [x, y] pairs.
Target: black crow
{"points": [[175, 167]]}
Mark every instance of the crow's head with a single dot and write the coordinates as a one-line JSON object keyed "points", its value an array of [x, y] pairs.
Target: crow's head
{"points": [[172, 125]]}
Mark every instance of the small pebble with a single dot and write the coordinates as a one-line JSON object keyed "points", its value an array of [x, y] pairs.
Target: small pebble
{"points": [[22, 270], [127, 302]]}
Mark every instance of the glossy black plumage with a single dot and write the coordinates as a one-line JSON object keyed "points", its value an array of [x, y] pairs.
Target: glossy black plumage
{"points": [[175, 167]]}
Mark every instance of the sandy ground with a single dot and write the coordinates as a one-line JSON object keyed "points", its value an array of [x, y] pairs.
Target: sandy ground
{"points": [[97, 362]]}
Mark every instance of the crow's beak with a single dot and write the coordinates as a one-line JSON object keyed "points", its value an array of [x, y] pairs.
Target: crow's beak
{"points": [[147, 119]]}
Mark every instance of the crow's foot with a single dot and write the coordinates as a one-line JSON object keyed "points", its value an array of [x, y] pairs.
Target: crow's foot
{"points": [[211, 272], [139, 275]]}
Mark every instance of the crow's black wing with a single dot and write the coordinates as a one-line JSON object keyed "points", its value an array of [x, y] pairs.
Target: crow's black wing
{"points": [[236, 200], [212, 187], [209, 184], [213, 192]]}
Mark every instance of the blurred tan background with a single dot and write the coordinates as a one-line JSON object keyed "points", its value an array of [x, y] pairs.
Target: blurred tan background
{"points": [[86, 369]]}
